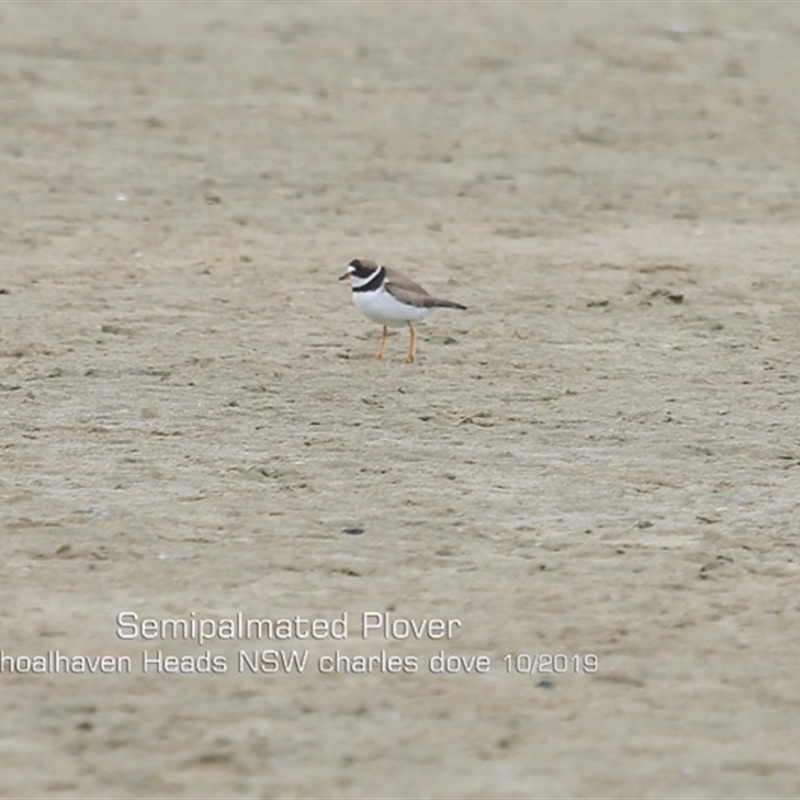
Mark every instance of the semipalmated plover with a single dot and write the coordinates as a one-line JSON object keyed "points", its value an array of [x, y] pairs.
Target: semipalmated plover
{"points": [[390, 298]]}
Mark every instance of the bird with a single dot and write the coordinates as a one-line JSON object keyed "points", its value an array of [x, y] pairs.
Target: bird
{"points": [[387, 296]]}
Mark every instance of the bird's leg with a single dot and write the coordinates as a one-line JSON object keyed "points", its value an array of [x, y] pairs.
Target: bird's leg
{"points": [[412, 344], [379, 354]]}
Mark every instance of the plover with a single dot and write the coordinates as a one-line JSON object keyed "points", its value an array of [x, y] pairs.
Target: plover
{"points": [[391, 299]]}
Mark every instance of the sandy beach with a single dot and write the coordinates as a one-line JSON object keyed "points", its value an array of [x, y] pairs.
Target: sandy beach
{"points": [[556, 557]]}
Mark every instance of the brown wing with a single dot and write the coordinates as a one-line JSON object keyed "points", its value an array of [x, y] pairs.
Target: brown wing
{"points": [[407, 291]]}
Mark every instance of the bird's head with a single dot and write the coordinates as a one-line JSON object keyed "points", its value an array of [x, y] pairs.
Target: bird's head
{"points": [[360, 270]]}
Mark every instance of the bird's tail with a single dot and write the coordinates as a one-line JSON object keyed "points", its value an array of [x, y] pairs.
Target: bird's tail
{"points": [[446, 304]]}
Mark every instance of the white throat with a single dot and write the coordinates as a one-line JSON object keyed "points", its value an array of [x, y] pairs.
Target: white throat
{"points": [[357, 282]]}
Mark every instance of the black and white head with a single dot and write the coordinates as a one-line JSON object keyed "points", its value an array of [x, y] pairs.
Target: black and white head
{"points": [[361, 271]]}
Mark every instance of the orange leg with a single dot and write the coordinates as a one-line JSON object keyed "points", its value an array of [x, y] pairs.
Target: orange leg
{"points": [[412, 344], [379, 354]]}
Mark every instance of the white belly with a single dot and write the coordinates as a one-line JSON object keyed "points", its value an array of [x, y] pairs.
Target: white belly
{"points": [[381, 307]]}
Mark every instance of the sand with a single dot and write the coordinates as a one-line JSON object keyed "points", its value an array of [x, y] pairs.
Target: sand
{"points": [[571, 525]]}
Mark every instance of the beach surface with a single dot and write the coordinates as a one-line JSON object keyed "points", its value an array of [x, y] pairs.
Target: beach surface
{"points": [[555, 557]]}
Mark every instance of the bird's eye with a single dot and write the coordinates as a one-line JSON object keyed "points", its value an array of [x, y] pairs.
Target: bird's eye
{"points": [[355, 263]]}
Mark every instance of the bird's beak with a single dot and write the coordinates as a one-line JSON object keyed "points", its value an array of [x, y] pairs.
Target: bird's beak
{"points": [[346, 275]]}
